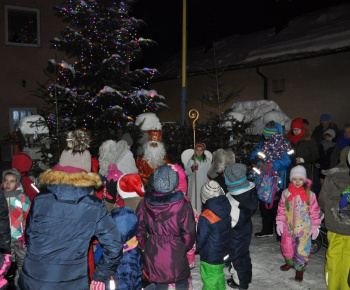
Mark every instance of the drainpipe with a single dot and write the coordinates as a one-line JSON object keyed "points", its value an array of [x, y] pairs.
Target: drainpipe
{"points": [[265, 81]]}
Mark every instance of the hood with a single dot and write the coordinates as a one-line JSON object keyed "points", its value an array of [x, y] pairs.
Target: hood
{"points": [[80, 179], [279, 128], [22, 162], [69, 193], [126, 220], [221, 158], [163, 206], [218, 205]]}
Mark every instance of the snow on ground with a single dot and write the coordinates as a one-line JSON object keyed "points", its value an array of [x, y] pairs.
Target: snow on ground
{"points": [[267, 258]]}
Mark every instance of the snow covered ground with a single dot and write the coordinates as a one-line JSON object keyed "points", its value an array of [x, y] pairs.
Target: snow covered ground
{"points": [[267, 258]]}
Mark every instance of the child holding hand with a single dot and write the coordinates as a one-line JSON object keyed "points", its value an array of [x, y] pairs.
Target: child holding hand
{"points": [[298, 220]]}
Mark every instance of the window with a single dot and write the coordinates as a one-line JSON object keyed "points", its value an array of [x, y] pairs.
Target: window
{"points": [[22, 26], [16, 114]]}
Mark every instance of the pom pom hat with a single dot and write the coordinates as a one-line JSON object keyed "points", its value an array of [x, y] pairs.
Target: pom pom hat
{"points": [[113, 172], [130, 185], [298, 171], [165, 179], [211, 189]]}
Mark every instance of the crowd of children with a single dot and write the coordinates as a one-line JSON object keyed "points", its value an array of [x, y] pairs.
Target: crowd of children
{"points": [[130, 237]]}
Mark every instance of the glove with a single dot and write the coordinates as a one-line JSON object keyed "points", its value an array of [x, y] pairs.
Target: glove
{"points": [[97, 285], [111, 187], [314, 232], [279, 228]]}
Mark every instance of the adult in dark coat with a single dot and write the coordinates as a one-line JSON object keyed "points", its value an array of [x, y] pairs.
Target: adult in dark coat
{"points": [[60, 226], [304, 146], [325, 124], [244, 202], [167, 230]]}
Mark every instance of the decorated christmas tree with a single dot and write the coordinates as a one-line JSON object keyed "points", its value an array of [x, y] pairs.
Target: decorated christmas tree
{"points": [[98, 87]]}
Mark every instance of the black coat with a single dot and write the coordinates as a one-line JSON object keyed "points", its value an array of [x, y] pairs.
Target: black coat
{"points": [[5, 234]]}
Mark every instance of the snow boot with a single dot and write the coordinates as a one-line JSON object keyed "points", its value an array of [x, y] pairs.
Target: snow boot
{"points": [[286, 267], [299, 276], [233, 284]]}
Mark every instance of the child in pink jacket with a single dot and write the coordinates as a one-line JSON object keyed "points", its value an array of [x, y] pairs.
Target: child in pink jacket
{"points": [[298, 220]]}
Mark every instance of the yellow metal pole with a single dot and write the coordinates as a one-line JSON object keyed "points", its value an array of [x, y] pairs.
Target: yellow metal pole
{"points": [[184, 61], [193, 114]]}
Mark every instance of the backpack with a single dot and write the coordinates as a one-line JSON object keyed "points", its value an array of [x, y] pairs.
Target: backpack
{"points": [[266, 186]]}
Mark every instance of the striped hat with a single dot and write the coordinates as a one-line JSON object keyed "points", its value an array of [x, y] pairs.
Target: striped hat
{"points": [[211, 189], [270, 129]]}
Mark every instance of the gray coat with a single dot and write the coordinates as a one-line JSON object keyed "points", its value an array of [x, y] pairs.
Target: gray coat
{"points": [[337, 180]]}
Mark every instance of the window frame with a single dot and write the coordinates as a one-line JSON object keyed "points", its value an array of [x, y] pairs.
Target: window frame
{"points": [[37, 11], [33, 111]]}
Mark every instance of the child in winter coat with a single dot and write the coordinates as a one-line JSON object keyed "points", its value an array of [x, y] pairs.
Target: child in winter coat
{"points": [[325, 151], [298, 220], [19, 205], [200, 164], [167, 230], [212, 234], [5, 240], [129, 272], [244, 202]]}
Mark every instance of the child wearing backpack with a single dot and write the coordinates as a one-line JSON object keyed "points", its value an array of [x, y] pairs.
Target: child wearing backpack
{"points": [[298, 220]]}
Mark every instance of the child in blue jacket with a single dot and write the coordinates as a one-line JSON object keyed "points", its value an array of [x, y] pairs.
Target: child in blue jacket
{"points": [[213, 232]]}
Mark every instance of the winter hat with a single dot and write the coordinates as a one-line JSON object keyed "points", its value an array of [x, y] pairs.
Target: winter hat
{"points": [[200, 144], [211, 189], [165, 179], [182, 177], [235, 177], [298, 171], [127, 137], [270, 129], [78, 140], [77, 159], [113, 172], [68, 169], [326, 117], [329, 132], [130, 185], [15, 172], [297, 123]]}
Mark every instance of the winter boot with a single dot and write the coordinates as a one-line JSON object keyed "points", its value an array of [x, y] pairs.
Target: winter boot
{"points": [[286, 267], [299, 276], [233, 284]]}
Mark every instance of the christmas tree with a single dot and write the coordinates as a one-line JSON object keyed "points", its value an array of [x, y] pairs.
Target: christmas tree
{"points": [[98, 87]]}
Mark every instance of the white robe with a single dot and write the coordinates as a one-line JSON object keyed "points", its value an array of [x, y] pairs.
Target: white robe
{"points": [[202, 178], [126, 164]]}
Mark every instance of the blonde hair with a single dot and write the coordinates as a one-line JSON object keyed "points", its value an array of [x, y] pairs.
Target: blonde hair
{"points": [[307, 190]]}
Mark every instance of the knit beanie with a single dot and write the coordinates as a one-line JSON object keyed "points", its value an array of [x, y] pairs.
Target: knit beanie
{"points": [[270, 129], [329, 132], [15, 172], [200, 144], [297, 123], [130, 185], [211, 189], [165, 179], [298, 171], [235, 177], [113, 172]]}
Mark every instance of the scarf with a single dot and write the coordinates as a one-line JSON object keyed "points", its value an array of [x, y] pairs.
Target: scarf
{"points": [[297, 191], [296, 138], [327, 144], [200, 158], [342, 142]]}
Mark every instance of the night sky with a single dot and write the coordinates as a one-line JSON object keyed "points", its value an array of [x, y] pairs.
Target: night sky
{"points": [[212, 20]]}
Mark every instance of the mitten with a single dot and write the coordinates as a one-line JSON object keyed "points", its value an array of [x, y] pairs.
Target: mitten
{"points": [[111, 187], [279, 228], [97, 285], [262, 165], [314, 232]]}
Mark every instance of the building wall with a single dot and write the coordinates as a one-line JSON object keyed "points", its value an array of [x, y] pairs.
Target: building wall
{"points": [[20, 63], [312, 86]]}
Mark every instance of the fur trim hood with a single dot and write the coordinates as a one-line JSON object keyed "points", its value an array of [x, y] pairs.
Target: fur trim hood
{"points": [[80, 179], [221, 158]]}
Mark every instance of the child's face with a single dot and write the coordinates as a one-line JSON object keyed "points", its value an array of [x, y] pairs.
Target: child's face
{"points": [[328, 137], [9, 182], [297, 181], [199, 151]]}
